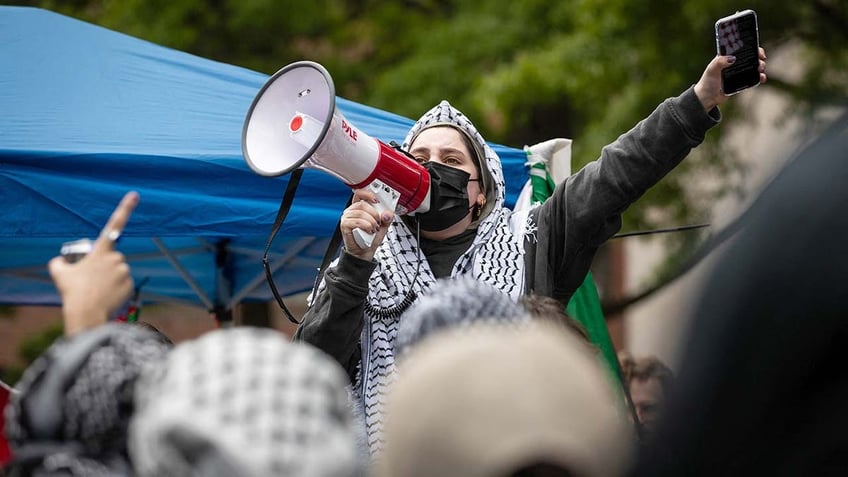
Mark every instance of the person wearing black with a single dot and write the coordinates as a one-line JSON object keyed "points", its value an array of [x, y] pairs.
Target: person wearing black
{"points": [[353, 314], [762, 385]]}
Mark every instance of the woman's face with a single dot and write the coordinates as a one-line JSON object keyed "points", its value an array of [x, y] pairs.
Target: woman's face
{"points": [[445, 145]]}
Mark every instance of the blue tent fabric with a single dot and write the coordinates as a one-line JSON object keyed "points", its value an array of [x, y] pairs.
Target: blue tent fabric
{"points": [[87, 114]]}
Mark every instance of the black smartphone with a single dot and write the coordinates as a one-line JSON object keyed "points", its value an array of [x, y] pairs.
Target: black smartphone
{"points": [[738, 35]]}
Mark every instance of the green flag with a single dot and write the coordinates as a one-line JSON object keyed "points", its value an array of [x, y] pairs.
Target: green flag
{"points": [[584, 306]]}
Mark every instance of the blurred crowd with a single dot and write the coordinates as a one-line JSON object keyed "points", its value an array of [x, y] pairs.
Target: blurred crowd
{"points": [[485, 386]]}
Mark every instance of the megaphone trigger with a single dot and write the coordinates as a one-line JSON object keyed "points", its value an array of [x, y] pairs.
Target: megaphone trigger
{"points": [[388, 199]]}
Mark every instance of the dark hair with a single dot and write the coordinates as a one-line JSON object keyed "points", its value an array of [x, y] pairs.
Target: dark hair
{"points": [[643, 369], [161, 336], [551, 309]]}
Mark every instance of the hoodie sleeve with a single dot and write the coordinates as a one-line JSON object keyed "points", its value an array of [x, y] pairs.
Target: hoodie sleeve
{"points": [[334, 322], [585, 210]]}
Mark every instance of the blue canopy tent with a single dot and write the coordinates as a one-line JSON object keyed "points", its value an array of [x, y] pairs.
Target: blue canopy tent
{"points": [[87, 114]]}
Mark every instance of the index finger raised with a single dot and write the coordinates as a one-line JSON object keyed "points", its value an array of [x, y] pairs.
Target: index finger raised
{"points": [[117, 221]]}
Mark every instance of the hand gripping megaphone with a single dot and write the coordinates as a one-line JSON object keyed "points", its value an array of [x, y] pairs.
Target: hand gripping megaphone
{"points": [[293, 123]]}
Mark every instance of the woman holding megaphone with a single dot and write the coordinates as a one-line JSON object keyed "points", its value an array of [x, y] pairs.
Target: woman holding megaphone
{"points": [[354, 312]]}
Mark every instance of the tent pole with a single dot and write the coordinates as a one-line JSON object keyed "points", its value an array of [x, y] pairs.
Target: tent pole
{"points": [[295, 249], [183, 273], [223, 283]]}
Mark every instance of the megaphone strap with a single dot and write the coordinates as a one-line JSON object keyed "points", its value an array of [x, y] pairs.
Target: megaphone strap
{"points": [[285, 205]]}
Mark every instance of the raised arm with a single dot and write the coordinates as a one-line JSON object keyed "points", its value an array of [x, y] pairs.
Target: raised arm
{"points": [[100, 282], [586, 209]]}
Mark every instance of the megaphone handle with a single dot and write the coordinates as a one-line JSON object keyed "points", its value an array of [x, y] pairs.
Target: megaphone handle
{"points": [[388, 199], [363, 238]]}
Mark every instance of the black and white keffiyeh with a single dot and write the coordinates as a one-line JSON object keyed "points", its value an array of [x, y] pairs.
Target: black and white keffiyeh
{"points": [[244, 402], [455, 303], [496, 257], [75, 402]]}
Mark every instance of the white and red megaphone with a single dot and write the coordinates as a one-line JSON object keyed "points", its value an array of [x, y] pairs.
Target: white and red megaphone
{"points": [[293, 122]]}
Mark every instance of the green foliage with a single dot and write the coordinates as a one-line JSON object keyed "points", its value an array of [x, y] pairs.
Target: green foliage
{"points": [[34, 346], [30, 349]]}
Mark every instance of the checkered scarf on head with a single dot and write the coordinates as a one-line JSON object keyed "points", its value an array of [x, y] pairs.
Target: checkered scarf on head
{"points": [[95, 408], [244, 402], [451, 304], [496, 257]]}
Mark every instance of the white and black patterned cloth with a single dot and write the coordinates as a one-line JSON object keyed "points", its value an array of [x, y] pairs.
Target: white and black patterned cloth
{"points": [[244, 402], [455, 303], [496, 257], [85, 385]]}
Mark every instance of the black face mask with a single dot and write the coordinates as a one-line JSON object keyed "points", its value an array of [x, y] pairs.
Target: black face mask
{"points": [[448, 197]]}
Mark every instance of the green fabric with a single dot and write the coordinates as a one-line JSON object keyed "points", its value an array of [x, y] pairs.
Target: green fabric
{"points": [[585, 305], [541, 182]]}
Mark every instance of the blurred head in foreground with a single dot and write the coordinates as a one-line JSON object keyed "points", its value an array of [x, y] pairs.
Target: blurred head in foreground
{"points": [[455, 303], [244, 402], [494, 400]]}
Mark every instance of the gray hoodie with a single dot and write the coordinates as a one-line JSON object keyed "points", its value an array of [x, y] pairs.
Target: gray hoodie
{"points": [[355, 311]]}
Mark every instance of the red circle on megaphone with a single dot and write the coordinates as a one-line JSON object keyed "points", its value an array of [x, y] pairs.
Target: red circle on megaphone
{"points": [[296, 123]]}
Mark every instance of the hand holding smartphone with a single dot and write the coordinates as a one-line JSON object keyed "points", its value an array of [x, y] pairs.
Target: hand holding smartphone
{"points": [[92, 278], [738, 35]]}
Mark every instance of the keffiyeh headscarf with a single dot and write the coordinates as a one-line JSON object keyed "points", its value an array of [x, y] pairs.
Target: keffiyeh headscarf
{"points": [[244, 402], [75, 402], [495, 257], [451, 304]]}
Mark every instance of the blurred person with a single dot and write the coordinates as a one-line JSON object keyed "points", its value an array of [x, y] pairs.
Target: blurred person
{"points": [[455, 303], [78, 402], [626, 363], [244, 402], [72, 409], [495, 401], [550, 309], [354, 312], [75, 402], [96, 286], [762, 385], [648, 381]]}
